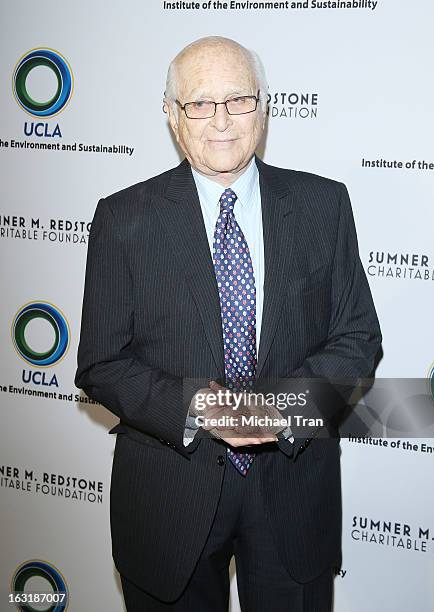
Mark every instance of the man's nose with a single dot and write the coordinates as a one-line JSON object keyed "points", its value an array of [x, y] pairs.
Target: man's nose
{"points": [[222, 118]]}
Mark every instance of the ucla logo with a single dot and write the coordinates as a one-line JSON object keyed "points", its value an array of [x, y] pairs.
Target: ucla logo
{"points": [[57, 321], [52, 102], [56, 592], [58, 65]]}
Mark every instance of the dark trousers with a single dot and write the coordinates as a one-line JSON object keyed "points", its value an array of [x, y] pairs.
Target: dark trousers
{"points": [[240, 528]]}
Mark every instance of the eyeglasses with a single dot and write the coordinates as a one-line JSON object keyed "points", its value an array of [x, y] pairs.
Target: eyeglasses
{"points": [[205, 109]]}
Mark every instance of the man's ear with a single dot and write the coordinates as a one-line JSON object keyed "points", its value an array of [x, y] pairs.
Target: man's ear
{"points": [[173, 117], [264, 119]]}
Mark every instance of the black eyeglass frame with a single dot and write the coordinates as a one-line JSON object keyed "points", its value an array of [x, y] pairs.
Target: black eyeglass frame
{"points": [[256, 98]]}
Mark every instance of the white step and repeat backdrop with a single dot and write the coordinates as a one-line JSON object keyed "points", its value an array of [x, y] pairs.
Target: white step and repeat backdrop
{"points": [[352, 98]]}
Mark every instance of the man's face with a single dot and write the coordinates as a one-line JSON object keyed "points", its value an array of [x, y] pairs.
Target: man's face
{"points": [[220, 146]]}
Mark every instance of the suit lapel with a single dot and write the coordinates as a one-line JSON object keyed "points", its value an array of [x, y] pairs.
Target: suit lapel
{"points": [[182, 219], [278, 230]]}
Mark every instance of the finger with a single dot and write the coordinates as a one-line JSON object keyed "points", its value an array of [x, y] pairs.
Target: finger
{"points": [[224, 392], [214, 412], [209, 419], [216, 433], [262, 439], [215, 386], [272, 438]]}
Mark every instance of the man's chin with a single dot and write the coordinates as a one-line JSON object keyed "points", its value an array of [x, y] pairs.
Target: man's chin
{"points": [[224, 165]]}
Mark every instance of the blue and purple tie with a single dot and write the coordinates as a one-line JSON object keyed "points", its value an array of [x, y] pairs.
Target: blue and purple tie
{"points": [[236, 285]]}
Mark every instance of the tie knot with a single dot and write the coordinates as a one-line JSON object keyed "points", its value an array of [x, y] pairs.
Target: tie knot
{"points": [[227, 200]]}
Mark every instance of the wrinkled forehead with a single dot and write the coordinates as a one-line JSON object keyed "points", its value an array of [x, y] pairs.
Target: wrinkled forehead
{"points": [[214, 70]]}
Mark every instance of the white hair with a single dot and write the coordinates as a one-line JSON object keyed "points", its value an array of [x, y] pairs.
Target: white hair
{"points": [[253, 59]]}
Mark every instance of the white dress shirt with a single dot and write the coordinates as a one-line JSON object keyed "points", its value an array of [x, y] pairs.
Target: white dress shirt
{"points": [[248, 213]]}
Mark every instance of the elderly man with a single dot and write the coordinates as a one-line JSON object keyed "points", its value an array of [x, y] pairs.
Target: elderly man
{"points": [[203, 285]]}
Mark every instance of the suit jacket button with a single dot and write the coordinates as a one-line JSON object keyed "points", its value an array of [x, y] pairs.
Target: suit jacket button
{"points": [[220, 460], [301, 449]]}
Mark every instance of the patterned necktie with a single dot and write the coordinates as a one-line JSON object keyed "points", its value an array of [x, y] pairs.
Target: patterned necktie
{"points": [[236, 285]]}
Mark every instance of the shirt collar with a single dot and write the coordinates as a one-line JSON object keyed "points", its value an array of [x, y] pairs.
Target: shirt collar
{"points": [[210, 192]]}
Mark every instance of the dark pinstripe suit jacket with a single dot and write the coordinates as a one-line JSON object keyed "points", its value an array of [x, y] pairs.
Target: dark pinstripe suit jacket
{"points": [[151, 319]]}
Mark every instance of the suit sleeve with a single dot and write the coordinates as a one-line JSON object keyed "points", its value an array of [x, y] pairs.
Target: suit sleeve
{"points": [[354, 336], [145, 398]]}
